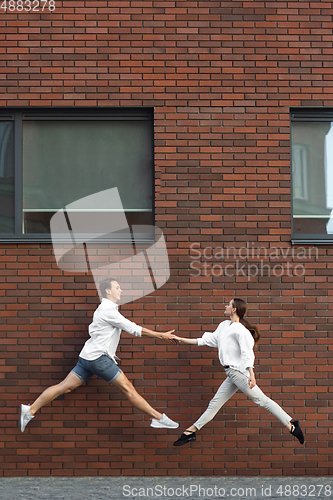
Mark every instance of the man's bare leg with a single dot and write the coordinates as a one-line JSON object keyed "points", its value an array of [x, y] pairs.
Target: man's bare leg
{"points": [[159, 420], [134, 397], [27, 412], [70, 383]]}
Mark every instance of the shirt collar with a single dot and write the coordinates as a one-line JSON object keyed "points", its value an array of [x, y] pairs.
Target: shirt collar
{"points": [[110, 304]]}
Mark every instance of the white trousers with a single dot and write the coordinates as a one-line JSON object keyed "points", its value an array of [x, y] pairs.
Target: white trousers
{"points": [[236, 380]]}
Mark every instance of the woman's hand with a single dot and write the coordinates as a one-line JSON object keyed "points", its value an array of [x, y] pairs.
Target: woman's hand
{"points": [[252, 379]]}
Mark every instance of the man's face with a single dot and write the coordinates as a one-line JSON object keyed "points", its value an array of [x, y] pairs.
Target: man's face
{"points": [[114, 293]]}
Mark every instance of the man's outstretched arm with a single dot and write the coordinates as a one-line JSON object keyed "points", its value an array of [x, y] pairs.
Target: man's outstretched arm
{"points": [[159, 335]]}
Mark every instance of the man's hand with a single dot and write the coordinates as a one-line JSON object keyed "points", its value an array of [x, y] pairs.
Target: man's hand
{"points": [[168, 336], [158, 335]]}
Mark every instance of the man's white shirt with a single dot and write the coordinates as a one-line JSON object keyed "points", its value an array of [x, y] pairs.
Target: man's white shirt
{"points": [[105, 331]]}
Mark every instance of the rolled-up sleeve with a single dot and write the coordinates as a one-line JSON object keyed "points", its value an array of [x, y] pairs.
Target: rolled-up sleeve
{"points": [[246, 343], [119, 321], [209, 339]]}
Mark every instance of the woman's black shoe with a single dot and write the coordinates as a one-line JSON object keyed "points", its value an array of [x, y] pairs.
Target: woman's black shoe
{"points": [[185, 438], [297, 431]]}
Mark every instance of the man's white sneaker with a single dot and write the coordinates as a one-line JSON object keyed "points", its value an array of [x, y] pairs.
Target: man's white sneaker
{"points": [[164, 423], [25, 417]]}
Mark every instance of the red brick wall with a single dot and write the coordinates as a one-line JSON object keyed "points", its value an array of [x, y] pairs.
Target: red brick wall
{"points": [[221, 77]]}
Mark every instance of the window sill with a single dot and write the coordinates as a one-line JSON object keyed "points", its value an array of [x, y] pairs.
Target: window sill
{"points": [[312, 241]]}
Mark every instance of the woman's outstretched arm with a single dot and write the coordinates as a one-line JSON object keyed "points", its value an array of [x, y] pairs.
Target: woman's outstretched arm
{"points": [[185, 341]]}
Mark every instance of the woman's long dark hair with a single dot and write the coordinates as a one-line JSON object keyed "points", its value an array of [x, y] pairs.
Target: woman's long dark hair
{"points": [[241, 308]]}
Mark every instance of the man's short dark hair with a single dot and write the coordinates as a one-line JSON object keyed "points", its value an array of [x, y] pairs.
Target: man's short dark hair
{"points": [[106, 285]]}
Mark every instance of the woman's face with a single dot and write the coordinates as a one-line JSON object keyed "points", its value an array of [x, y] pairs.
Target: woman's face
{"points": [[229, 308]]}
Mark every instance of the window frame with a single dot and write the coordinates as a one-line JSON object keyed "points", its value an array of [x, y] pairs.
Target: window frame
{"points": [[18, 114], [307, 115]]}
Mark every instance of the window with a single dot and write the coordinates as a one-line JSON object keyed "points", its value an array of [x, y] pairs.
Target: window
{"points": [[50, 158], [312, 175]]}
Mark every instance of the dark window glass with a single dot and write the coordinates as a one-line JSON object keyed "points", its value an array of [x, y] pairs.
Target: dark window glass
{"points": [[7, 201]]}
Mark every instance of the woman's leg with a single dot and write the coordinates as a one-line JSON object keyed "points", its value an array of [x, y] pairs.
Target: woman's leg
{"points": [[241, 381], [226, 390], [262, 400]]}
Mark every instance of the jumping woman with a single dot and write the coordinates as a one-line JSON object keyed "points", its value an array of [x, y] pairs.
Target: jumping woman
{"points": [[235, 340]]}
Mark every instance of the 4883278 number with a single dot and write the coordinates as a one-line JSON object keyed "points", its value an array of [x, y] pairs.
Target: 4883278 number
{"points": [[28, 5], [303, 490]]}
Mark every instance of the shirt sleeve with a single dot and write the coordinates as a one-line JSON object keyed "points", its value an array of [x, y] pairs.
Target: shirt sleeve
{"points": [[246, 343], [119, 321], [209, 339]]}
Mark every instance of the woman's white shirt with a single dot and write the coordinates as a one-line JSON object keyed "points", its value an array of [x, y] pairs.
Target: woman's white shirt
{"points": [[234, 343]]}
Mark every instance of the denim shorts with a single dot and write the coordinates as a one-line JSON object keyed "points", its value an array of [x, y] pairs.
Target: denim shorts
{"points": [[104, 367]]}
